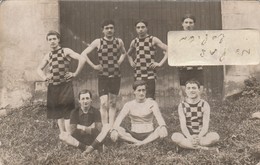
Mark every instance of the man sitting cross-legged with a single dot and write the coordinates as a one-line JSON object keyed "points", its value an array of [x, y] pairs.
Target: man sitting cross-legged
{"points": [[141, 112], [194, 115], [85, 125]]}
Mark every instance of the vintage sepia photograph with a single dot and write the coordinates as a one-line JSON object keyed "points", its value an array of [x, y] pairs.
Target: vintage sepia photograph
{"points": [[130, 82]]}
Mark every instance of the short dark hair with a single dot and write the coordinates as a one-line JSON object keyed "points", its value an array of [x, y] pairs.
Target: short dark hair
{"points": [[193, 81], [142, 21], [84, 91], [138, 83], [52, 32], [107, 22], [188, 16]]}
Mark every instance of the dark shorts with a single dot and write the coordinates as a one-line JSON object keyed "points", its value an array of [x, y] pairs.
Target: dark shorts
{"points": [[186, 75], [108, 85], [138, 136], [150, 91], [60, 101], [84, 138]]}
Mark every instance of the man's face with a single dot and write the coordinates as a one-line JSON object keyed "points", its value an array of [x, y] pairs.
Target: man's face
{"points": [[140, 92], [109, 30], [192, 90], [85, 101], [53, 41], [188, 24], [141, 29]]}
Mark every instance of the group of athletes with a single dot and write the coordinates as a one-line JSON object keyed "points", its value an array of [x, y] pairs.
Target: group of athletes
{"points": [[86, 127]]}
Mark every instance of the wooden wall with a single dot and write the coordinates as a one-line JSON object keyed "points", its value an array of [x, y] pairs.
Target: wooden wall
{"points": [[80, 25]]}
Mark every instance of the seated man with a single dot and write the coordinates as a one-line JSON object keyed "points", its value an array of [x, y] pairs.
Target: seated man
{"points": [[141, 112], [194, 115], [85, 125]]}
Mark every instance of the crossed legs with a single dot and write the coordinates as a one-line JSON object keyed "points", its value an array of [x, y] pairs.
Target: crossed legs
{"points": [[128, 137], [207, 140]]}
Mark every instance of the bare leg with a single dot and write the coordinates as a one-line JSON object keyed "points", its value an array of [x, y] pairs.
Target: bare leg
{"points": [[209, 139], [182, 141], [104, 109], [61, 125], [67, 125], [126, 136], [102, 135], [153, 136], [112, 109], [71, 140]]}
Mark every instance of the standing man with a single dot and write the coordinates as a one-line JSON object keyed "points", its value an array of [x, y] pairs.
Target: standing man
{"points": [[190, 72], [194, 116], [144, 47], [111, 53], [60, 95], [85, 125], [141, 112]]}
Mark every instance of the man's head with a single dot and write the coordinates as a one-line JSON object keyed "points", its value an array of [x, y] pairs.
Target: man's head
{"points": [[139, 88], [108, 28], [188, 22], [141, 28], [53, 38], [85, 99], [192, 89]]}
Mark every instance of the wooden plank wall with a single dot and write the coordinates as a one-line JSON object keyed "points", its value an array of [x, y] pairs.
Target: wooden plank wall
{"points": [[80, 25]]}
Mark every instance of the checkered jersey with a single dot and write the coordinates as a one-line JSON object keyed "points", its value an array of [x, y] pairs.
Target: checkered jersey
{"points": [[194, 116], [108, 56], [59, 64], [145, 53]]}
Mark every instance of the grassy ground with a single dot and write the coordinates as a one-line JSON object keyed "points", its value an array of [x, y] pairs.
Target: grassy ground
{"points": [[28, 138]]}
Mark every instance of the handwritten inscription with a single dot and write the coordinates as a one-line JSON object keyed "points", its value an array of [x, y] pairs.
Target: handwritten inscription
{"points": [[215, 47]]}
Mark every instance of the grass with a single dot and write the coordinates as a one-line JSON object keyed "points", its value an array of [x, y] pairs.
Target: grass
{"points": [[29, 138]]}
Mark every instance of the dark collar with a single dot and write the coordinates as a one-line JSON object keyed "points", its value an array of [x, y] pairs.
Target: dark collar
{"points": [[90, 111], [55, 51]]}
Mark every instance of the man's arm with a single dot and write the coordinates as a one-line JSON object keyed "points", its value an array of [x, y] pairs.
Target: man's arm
{"points": [[158, 43], [89, 129], [123, 113], [122, 51], [156, 111], [41, 66], [94, 45], [76, 56], [160, 120], [182, 119], [206, 117], [114, 131], [130, 52]]}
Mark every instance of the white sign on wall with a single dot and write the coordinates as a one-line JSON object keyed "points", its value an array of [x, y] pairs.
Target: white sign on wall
{"points": [[213, 47]]}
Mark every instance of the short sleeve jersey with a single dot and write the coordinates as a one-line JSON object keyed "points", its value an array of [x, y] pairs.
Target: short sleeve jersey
{"points": [[108, 56], [59, 65], [145, 53], [77, 116], [194, 116]]}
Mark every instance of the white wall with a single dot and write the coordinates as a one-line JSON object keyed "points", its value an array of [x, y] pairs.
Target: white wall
{"points": [[240, 15], [23, 26]]}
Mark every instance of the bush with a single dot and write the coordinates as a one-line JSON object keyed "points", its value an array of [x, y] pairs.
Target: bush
{"points": [[252, 87]]}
